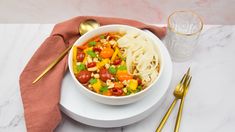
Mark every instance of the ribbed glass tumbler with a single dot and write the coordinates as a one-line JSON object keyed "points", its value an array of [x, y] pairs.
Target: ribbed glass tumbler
{"points": [[183, 30]]}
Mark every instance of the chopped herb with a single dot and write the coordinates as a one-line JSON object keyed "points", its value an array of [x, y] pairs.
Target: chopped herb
{"points": [[102, 36], [122, 67], [128, 91], [81, 67], [103, 89], [112, 70], [91, 53], [93, 81], [92, 43], [139, 88]]}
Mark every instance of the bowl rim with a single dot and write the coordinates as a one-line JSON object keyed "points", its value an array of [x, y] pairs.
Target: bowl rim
{"points": [[91, 34]]}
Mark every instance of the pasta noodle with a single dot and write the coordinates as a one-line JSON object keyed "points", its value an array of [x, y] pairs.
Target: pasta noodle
{"points": [[141, 56]]}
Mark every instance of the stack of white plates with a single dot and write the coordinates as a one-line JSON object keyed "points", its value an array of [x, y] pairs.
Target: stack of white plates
{"points": [[82, 109]]}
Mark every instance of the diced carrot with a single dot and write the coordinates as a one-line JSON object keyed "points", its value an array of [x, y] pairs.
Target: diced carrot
{"points": [[82, 47], [123, 75], [118, 85], [107, 53], [97, 39], [107, 93]]}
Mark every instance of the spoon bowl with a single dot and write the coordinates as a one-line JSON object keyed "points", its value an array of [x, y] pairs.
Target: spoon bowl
{"points": [[87, 26]]}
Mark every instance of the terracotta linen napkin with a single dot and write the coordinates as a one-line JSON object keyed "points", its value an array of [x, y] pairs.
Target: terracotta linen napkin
{"points": [[41, 100]]}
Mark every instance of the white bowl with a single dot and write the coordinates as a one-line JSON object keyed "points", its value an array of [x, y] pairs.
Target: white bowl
{"points": [[114, 100]]}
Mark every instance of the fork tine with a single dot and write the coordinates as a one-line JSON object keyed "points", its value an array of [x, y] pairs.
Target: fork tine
{"points": [[189, 81], [188, 71], [185, 77], [186, 80], [187, 85]]}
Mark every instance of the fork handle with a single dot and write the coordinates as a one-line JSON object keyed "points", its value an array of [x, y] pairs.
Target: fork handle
{"points": [[164, 119], [178, 119]]}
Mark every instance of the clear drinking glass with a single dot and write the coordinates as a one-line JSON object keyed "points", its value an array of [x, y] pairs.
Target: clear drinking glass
{"points": [[183, 30]]}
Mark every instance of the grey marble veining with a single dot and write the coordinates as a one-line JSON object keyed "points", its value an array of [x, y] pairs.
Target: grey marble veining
{"points": [[209, 105]]}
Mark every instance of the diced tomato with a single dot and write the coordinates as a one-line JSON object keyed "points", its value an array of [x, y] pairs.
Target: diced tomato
{"points": [[83, 76], [91, 64], [96, 49], [139, 81], [105, 75], [117, 62], [116, 91], [80, 56]]}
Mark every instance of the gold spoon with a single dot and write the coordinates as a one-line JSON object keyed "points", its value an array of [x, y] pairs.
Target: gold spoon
{"points": [[88, 25], [84, 27], [178, 93]]}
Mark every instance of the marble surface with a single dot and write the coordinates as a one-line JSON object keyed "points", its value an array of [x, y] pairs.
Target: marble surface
{"points": [[151, 11], [209, 105]]}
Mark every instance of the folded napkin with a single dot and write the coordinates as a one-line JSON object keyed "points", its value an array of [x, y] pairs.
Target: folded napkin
{"points": [[41, 100]]}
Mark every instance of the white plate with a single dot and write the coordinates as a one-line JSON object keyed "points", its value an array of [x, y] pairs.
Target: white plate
{"points": [[82, 109]]}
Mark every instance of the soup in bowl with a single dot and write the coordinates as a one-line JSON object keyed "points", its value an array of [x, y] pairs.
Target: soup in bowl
{"points": [[115, 64]]}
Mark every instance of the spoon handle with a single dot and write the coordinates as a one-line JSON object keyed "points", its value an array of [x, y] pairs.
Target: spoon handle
{"points": [[56, 61], [164, 119], [178, 119]]}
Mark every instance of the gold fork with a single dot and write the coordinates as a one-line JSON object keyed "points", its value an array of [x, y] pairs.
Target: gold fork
{"points": [[178, 93], [178, 119]]}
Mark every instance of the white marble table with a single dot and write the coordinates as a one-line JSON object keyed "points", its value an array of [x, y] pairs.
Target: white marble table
{"points": [[209, 105]]}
